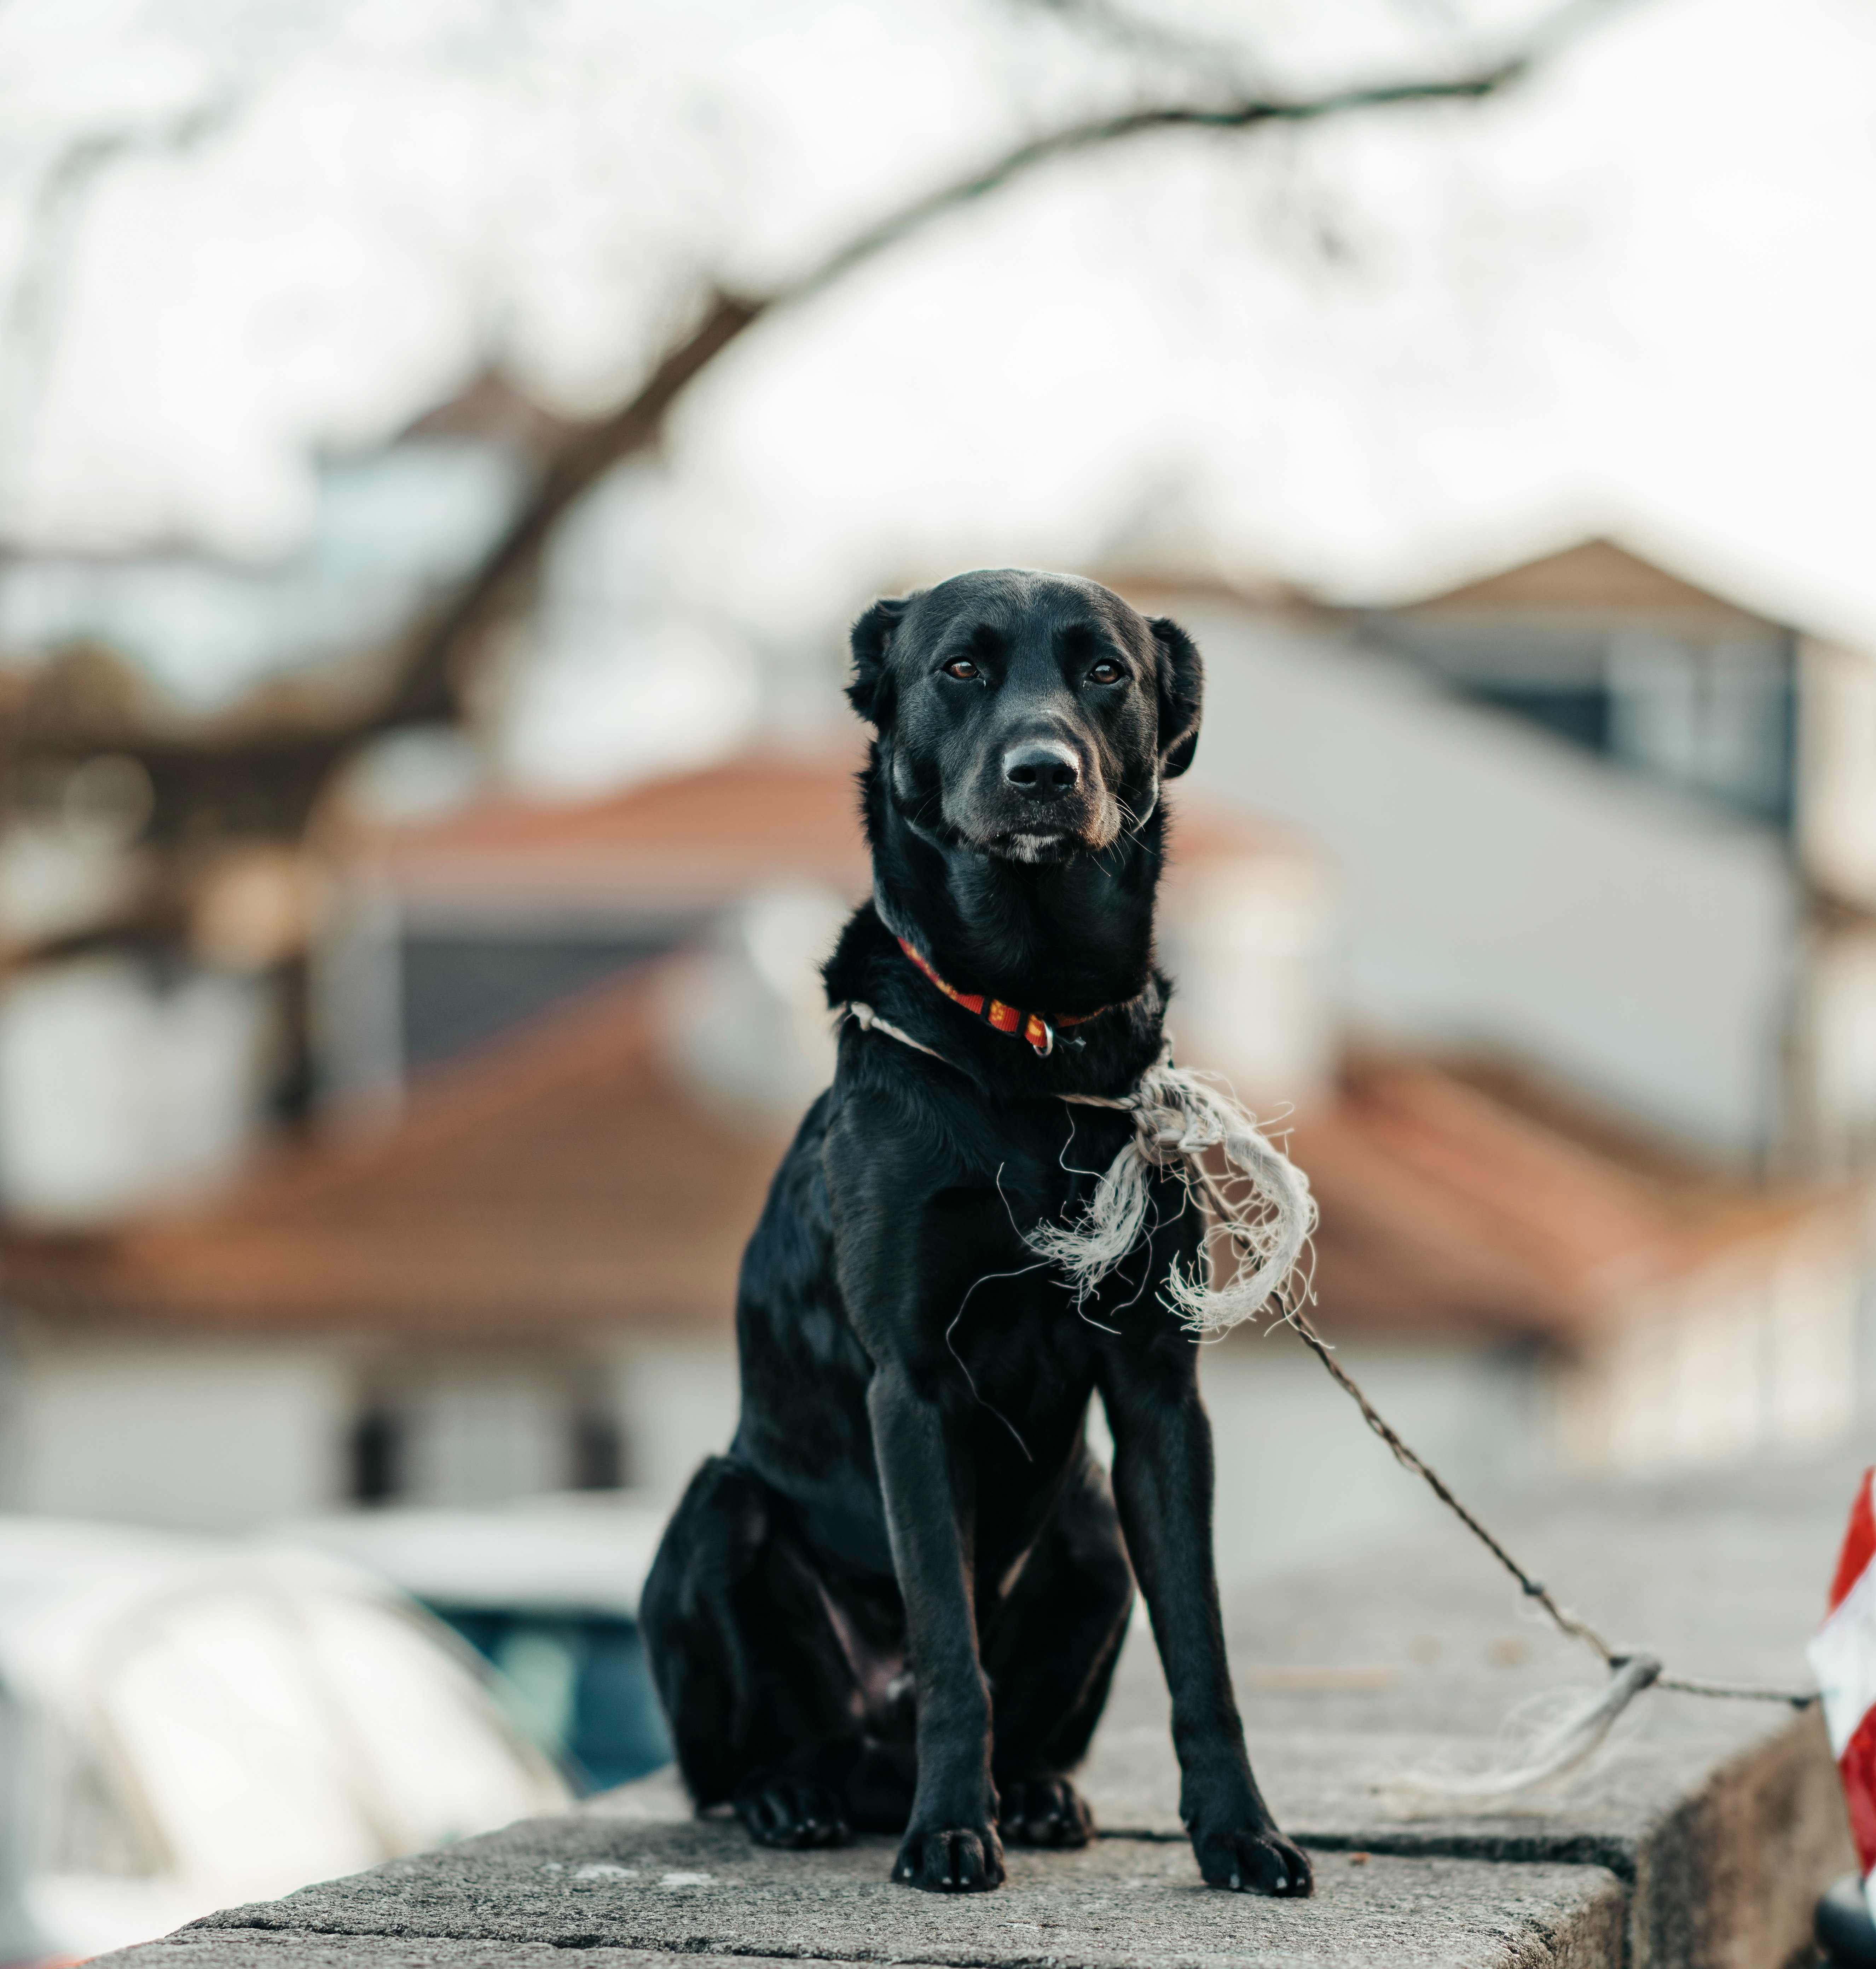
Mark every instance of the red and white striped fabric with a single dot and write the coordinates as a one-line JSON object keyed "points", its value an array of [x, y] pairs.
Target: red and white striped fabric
{"points": [[1843, 1654]]}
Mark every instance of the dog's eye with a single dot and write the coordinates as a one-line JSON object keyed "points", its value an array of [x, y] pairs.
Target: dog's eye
{"points": [[1106, 671], [961, 668]]}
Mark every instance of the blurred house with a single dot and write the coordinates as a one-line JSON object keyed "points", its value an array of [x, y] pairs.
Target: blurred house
{"points": [[443, 933], [385, 526], [1617, 655], [1523, 1285], [153, 900], [525, 1285], [512, 1269], [565, 1047], [1591, 815], [174, 729]]}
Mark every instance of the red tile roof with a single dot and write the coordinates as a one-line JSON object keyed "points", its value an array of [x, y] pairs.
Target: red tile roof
{"points": [[559, 1182], [695, 840], [1471, 1200], [556, 1181]]}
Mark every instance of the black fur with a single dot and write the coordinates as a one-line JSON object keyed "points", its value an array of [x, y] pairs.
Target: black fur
{"points": [[896, 1602]]}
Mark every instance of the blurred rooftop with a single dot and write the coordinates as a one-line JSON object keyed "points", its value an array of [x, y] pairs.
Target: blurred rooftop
{"points": [[563, 1177]]}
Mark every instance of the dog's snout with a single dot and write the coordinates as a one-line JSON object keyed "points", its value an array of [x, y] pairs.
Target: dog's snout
{"points": [[1041, 769]]}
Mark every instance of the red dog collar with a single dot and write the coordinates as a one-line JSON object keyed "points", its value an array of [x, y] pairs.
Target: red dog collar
{"points": [[1039, 1028]]}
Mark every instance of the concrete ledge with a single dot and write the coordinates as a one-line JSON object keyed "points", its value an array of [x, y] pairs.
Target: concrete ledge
{"points": [[590, 1883], [1702, 1841]]}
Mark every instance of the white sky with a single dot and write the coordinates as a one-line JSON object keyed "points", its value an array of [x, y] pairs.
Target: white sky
{"points": [[1372, 357]]}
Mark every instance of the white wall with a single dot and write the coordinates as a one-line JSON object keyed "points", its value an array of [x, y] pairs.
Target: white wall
{"points": [[1748, 1357], [1837, 770], [677, 1401], [194, 1435], [1245, 936], [117, 1092], [1500, 887]]}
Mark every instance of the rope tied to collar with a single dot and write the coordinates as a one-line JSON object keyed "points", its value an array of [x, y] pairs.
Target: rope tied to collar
{"points": [[1260, 1208], [1260, 1205]]}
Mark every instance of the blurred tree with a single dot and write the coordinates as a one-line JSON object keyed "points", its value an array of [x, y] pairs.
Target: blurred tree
{"points": [[259, 772]]}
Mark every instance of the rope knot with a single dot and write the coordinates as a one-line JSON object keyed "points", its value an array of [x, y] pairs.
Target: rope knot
{"points": [[1261, 1206]]}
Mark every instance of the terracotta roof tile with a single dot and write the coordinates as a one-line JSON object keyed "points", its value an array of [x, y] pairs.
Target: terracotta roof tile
{"points": [[1445, 1206], [693, 841], [559, 1182], [556, 1181]]}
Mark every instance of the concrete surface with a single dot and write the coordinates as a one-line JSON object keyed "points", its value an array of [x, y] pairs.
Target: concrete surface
{"points": [[590, 1883], [1702, 1836]]}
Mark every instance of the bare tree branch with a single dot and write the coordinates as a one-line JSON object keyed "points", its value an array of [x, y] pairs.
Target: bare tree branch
{"points": [[289, 760], [429, 680], [424, 688]]}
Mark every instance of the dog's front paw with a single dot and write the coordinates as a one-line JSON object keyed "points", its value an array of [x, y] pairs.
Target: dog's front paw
{"points": [[1255, 1862], [781, 1809], [961, 1860], [1045, 1811]]}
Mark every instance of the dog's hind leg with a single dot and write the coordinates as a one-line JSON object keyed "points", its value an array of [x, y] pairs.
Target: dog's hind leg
{"points": [[762, 1700], [1049, 1648]]}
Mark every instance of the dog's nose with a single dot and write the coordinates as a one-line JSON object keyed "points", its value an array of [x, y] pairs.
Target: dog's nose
{"points": [[1041, 769]]}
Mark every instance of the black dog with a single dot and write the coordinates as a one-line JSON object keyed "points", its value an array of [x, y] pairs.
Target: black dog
{"points": [[897, 1603]]}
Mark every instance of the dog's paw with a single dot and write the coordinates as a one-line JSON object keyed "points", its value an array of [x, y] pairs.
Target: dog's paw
{"points": [[1253, 1862], [1045, 1811], [963, 1859], [780, 1809]]}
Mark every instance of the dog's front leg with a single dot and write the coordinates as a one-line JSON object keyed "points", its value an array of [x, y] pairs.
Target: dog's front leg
{"points": [[1162, 1485], [951, 1844]]}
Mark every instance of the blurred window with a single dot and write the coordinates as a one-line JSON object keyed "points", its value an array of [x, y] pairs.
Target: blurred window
{"points": [[579, 1685], [459, 988], [469, 1441], [1710, 715]]}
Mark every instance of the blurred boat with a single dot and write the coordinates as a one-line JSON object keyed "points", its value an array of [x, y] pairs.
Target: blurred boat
{"points": [[204, 1722]]}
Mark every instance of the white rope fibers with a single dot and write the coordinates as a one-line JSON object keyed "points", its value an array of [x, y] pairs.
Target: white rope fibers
{"points": [[1262, 1208]]}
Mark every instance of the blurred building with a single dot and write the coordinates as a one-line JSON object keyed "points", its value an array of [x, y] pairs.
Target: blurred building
{"points": [[1615, 655], [1594, 816], [506, 1293], [173, 728], [1523, 1284], [562, 1048], [154, 899], [1538, 909]]}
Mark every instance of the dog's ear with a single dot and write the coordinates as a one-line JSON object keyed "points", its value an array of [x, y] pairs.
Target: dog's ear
{"points": [[869, 690], [1181, 695]]}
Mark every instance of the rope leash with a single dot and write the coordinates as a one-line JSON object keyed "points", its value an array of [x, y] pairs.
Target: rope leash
{"points": [[1633, 1669], [1570, 1625]]}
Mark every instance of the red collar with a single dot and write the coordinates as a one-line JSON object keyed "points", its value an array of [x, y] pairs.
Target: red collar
{"points": [[1039, 1028]]}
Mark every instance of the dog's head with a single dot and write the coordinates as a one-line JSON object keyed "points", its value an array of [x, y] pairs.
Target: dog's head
{"points": [[1031, 716]]}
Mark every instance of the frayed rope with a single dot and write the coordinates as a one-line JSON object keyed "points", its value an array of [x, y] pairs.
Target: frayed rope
{"points": [[1261, 1205]]}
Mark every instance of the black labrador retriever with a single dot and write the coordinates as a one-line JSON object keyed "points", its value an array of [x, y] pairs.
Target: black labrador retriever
{"points": [[897, 1603]]}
